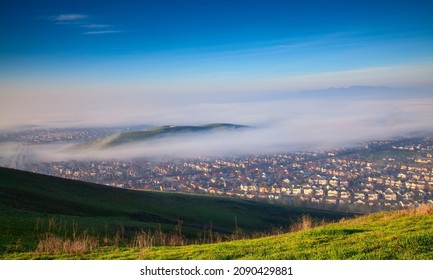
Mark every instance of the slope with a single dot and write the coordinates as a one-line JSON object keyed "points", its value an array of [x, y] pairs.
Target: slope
{"points": [[404, 234], [158, 133], [27, 199]]}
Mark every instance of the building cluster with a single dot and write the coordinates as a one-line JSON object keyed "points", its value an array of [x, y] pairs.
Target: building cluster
{"points": [[46, 136], [380, 175]]}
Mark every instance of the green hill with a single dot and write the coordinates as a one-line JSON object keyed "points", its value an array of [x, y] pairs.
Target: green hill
{"points": [[158, 133], [403, 235], [32, 204], [51, 218]]}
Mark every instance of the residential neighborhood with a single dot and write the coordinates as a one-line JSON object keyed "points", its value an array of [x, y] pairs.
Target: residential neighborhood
{"points": [[375, 176]]}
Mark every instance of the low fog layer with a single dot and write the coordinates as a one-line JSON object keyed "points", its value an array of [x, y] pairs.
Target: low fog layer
{"points": [[300, 122]]}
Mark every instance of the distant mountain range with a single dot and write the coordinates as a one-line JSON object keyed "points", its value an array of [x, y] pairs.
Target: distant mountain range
{"points": [[359, 93], [158, 133]]}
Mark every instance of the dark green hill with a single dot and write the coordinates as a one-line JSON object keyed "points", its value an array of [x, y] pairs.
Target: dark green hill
{"points": [[27, 199], [159, 133]]}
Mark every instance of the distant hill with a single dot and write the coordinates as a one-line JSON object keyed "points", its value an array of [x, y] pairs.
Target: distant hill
{"points": [[159, 133], [354, 93], [28, 200]]}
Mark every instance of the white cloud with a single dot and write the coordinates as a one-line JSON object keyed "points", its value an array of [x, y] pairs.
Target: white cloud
{"points": [[83, 22], [95, 26], [325, 119], [102, 32], [69, 17]]}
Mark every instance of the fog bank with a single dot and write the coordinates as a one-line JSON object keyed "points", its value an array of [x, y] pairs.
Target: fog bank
{"points": [[279, 125]]}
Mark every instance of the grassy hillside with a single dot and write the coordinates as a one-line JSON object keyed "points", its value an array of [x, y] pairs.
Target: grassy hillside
{"points": [[405, 234], [158, 133], [31, 204]]}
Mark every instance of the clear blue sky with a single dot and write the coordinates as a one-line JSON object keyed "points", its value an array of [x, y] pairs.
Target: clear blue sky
{"points": [[243, 37], [159, 46]]}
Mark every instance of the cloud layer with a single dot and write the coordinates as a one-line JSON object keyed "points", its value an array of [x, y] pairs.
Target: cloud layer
{"points": [[84, 23], [68, 17], [306, 121]]}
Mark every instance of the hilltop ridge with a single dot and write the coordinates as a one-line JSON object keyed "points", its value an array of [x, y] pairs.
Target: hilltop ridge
{"points": [[161, 132]]}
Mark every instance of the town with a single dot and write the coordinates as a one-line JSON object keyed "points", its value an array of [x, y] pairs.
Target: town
{"points": [[374, 176]]}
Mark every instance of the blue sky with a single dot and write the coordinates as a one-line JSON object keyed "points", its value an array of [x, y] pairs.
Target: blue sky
{"points": [[155, 52], [198, 38]]}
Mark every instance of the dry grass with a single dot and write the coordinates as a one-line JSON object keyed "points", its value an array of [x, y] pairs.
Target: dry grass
{"points": [[147, 239], [422, 210], [143, 240], [16, 246], [52, 243], [306, 222], [57, 240]]}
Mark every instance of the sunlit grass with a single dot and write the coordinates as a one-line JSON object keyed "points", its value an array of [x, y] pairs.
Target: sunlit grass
{"points": [[406, 234]]}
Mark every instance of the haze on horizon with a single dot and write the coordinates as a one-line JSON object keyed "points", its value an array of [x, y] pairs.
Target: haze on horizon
{"points": [[306, 73]]}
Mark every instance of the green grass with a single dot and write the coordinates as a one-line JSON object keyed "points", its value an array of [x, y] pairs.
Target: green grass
{"points": [[157, 133], [406, 234], [29, 201], [398, 155], [379, 236], [81, 214]]}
